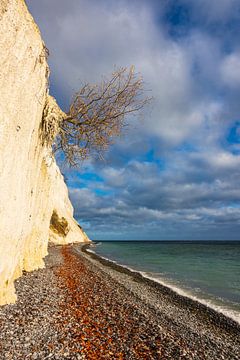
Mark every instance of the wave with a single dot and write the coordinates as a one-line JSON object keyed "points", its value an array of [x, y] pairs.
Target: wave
{"points": [[222, 309], [230, 313]]}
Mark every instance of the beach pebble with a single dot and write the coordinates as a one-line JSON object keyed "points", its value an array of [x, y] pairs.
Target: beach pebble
{"points": [[79, 308]]}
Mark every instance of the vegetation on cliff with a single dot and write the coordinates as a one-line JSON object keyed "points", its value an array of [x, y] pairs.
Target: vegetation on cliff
{"points": [[97, 115]]}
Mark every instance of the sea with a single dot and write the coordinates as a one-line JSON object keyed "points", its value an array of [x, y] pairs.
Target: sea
{"points": [[206, 271]]}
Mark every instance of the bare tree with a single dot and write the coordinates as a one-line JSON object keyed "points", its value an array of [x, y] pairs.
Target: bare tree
{"points": [[98, 114]]}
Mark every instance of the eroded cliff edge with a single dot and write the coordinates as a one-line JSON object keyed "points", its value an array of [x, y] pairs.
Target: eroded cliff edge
{"points": [[34, 203]]}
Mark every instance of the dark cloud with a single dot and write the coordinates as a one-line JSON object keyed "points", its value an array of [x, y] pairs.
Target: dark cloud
{"points": [[147, 198]]}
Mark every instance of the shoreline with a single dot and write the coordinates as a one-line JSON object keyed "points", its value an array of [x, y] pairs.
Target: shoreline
{"points": [[195, 304], [80, 307]]}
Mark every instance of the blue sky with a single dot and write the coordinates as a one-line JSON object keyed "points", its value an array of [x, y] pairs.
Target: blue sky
{"points": [[175, 175]]}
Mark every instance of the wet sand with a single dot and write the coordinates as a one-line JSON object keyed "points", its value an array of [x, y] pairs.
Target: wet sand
{"points": [[84, 307]]}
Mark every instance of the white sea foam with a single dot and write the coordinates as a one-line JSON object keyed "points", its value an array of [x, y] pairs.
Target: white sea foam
{"points": [[90, 251], [230, 313]]}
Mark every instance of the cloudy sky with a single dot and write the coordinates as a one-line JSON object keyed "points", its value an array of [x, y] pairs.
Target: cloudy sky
{"points": [[175, 175]]}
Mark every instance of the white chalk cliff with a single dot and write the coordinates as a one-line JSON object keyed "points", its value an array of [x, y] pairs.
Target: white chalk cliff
{"points": [[34, 203]]}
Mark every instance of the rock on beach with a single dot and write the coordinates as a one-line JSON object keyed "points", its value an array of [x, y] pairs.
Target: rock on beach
{"points": [[81, 308]]}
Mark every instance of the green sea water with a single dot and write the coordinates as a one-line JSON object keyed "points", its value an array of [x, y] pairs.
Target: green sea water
{"points": [[206, 271]]}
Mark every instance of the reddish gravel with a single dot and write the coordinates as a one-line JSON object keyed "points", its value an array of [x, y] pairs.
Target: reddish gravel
{"points": [[107, 321], [103, 324], [78, 308]]}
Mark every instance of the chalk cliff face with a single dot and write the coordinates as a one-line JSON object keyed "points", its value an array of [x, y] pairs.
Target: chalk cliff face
{"points": [[34, 203]]}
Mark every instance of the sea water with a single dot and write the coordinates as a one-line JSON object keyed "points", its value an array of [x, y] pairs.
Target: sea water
{"points": [[206, 271]]}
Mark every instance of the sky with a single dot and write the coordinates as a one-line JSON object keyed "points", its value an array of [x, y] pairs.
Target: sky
{"points": [[176, 174]]}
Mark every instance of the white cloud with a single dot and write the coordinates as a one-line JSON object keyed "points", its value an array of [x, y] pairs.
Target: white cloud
{"points": [[86, 39], [224, 160], [90, 38], [83, 197], [230, 70], [114, 177]]}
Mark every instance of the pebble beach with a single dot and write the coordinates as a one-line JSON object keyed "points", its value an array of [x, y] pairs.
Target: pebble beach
{"points": [[84, 307]]}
